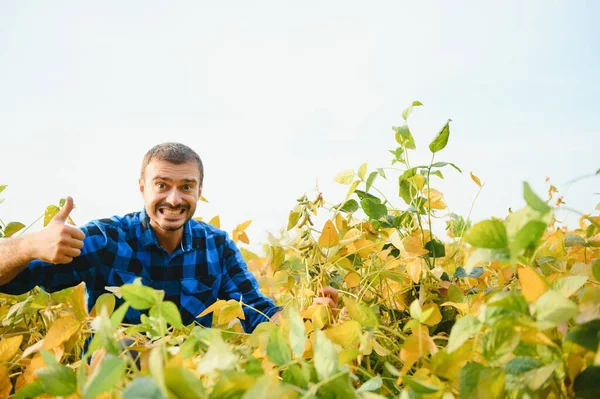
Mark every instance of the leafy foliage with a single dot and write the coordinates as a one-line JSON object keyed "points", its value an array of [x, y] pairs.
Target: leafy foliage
{"points": [[503, 308]]}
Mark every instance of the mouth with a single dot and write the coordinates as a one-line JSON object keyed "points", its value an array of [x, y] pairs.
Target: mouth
{"points": [[170, 212]]}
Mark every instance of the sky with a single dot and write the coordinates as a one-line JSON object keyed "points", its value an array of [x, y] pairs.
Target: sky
{"points": [[278, 97]]}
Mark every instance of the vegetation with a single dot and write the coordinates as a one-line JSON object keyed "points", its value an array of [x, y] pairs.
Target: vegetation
{"points": [[501, 309]]}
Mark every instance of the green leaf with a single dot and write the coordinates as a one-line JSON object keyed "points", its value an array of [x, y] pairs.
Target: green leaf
{"points": [[521, 364], [537, 377], [170, 312], [325, 356], [107, 301], [183, 383], [293, 220], [408, 110], [143, 388], [419, 386], [117, 317], [528, 236], [268, 386], [440, 141], [404, 137], [534, 201], [478, 381], [488, 234], [442, 164], [462, 330], [361, 313], [232, 385], [29, 391], [140, 297], [50, 212], [371, 385], [296, 375], [596, 269], [568, 285], [586, 335], [57, 380], [586, 384], [278, 350], [339, 387], [407, 191], [297, 332], [436, 249], [372, 209], [105, 377], [12, 228], [348, 206], [553, 308], [370, 180], [497, 344], [572, 240]]}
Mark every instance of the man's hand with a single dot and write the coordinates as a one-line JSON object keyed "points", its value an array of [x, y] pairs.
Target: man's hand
{"points": [[327, 296], [57, 242]]}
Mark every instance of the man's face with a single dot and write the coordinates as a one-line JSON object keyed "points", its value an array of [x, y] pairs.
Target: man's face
{"points": [[170, 193]]}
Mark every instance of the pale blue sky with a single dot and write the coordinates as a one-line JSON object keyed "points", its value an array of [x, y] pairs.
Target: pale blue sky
{"points": [[276, 96]]}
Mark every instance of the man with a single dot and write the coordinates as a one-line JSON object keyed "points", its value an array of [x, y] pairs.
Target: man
{"points": [[193, 262]]}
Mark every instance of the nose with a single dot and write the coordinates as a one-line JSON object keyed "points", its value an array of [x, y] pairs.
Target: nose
{"points": [[173, 198]]}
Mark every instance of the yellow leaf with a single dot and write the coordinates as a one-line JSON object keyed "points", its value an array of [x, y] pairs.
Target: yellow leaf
{"points": [[9, 347], [352, 279], [415, 347], [243, 237], [365, 247], [215, 221], [435, 317], [362, 171], [231, 310], [351, 236], [345, 177], [345, 334], [320, 317], [532, 284], [61, 331], [412, 246], [241, 227], [417, 181], [329, 236], [434, 199], [351, 189], [475, 179], [5, 384], [414, 268], [214, 307], [396, 240]]}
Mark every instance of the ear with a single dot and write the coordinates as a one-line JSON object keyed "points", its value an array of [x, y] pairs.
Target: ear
{"points": [[199, 191], [141, 183]]}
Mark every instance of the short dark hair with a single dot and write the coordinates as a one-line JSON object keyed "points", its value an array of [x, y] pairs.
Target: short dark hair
{"points": [[175, 153]]}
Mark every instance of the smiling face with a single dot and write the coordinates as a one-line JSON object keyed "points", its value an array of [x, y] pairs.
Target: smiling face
{"points": [[170, 194]]}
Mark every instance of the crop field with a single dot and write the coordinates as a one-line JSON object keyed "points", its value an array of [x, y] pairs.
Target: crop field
{"points": [[501, 308]]}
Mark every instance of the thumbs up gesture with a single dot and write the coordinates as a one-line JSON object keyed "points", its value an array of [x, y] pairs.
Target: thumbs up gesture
{"points": [[58, 242]]}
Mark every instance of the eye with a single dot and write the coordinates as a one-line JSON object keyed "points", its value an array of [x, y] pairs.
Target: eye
{"points": [[161, 186], [187, 187]]}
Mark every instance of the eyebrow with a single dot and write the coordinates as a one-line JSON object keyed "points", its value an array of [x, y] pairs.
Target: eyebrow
{"points": [[170, 180]]}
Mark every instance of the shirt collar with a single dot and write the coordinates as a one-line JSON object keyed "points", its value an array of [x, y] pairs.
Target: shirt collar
{"points": [[148, 237]]}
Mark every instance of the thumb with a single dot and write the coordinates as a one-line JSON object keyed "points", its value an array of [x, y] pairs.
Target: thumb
{"points": [[63, 214]]}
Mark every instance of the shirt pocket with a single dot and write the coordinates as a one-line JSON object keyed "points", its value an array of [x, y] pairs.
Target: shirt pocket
{"points": [[120, 277]]}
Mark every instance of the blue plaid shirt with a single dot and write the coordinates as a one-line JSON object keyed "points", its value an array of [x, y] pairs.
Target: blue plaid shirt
{"points": [[205, 267]]}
